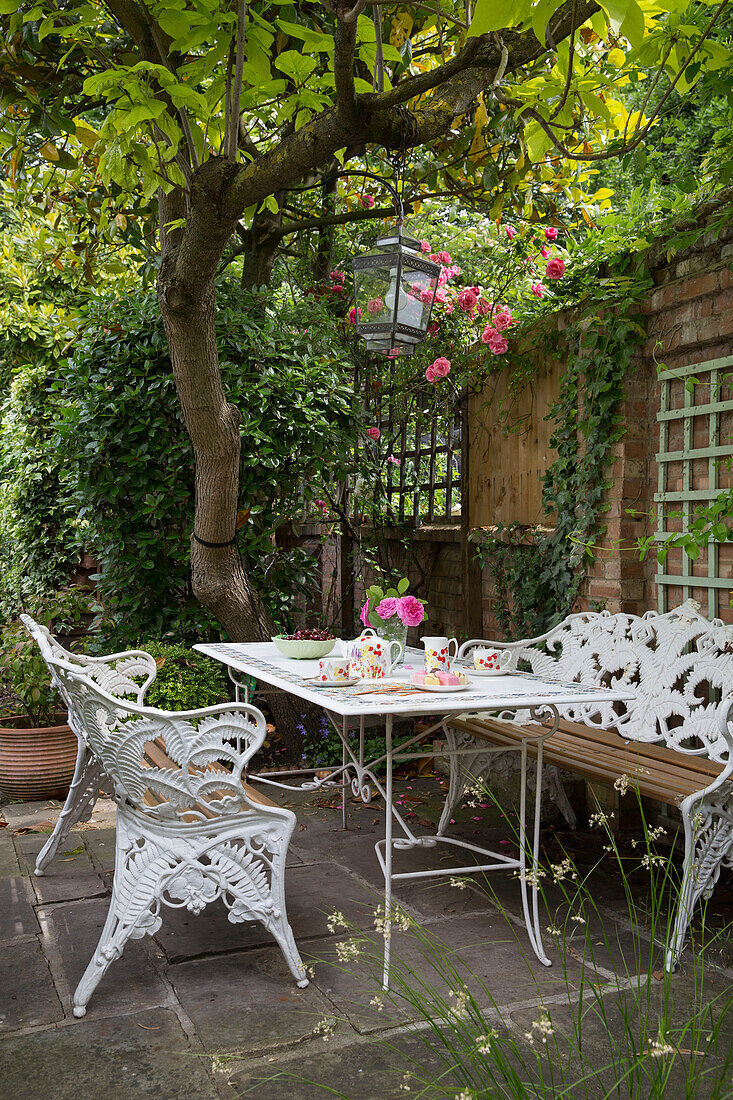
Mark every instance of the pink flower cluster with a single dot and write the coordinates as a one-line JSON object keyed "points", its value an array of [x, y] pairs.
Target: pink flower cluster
{"points": [[440, 368], [373, 433], [408, 610]]}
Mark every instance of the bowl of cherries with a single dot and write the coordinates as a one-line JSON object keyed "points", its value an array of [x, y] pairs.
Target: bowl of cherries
{"points": [[305, 645]]}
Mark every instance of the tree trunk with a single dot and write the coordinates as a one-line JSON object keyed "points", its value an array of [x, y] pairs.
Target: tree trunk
{"points": [[218, 578], [262, 242]]}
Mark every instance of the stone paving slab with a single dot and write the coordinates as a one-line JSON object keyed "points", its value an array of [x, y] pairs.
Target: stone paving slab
{"points": [[17, 916], [145, 1056], [9, 866], [27, 993], [246, 1002], [71, 933], [71, 875]]}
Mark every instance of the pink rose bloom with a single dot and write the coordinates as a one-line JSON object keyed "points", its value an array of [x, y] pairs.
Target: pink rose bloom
{"points": [[387, 608], [551, 233], [430, 374], [498, 344], [544, 252], [410, 611], [539, 289], [373, 433], [375, 306], [337, 276], [364, 613], [444, 257], [433, 328], [467, 300], [424, 246], [483, 307], [426, 295], [488, 334], [441, 294], [443, 277], [449, 307], [441, 367], [511, 232], [353, 314], [555, 268], [393, 353], [502, 318], [455, 270], [367, 201], [393, 461]]}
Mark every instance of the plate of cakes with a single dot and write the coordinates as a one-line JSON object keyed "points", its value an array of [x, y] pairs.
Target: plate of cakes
{"points": [[439, 681]]}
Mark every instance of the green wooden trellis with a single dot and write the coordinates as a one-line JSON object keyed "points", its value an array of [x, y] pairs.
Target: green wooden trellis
{"points": [[686, 499]]}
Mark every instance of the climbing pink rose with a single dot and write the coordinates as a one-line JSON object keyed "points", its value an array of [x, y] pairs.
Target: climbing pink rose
{"points": [[555, 268], [410, 611], [539, 289], [488, 334], [434, 257], [393, 461], [441, 367], [376, 305], [544, 253], [426, 295], [367, 201], [449, 307], [364, 613], [337, 276], [424, 246], [455, 270], [502, 318], [551, 233], [467, 300], [443, 277], [498, 344], [387, 608], [433, 328], [483, 307], [430, 374], [441, 294], [353, 314], [511, 232], [373, 433], [444, 257]]}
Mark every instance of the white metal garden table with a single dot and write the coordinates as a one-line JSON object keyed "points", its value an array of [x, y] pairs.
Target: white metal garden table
{"points": [[512, 693]]}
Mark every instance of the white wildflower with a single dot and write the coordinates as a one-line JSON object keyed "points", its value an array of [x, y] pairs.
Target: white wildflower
{"points": [[600, 819], [622, 784], [459, 883], [563, 870], [397, 917], [310, 971], [348, 950], [465, 1095], [655, 833], [531, 877], [658, 1048], [483, 1042], [336, 920], [460, 1008], [325, 1028], [377, 1002], [553, 931], [543, 1027], [405, 1086], [578, 919], [649, 861]]}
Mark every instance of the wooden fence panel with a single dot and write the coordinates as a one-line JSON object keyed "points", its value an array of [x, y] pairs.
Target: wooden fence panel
{"points": [[506, 470]]}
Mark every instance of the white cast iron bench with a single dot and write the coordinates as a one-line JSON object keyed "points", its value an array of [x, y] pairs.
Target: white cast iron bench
{"points": [[189, 829], [675, 743]]}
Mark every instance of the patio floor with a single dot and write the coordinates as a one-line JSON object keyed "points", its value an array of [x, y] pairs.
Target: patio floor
{"points": [[207, 1009]]}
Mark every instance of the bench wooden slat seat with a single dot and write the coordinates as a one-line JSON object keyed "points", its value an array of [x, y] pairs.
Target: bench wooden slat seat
{"points": [[600, 754], [673, 739]]}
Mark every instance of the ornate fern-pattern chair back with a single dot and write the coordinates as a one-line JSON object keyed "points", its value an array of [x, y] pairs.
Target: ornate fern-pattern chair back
{"points": [[681, 663], [169, 766], [124, 675]]}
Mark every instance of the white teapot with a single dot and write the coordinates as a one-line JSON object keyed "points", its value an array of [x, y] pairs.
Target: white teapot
{"points": [[372, 657]]}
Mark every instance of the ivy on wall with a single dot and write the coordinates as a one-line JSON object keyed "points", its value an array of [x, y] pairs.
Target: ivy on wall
{"points": [[538, 578]]}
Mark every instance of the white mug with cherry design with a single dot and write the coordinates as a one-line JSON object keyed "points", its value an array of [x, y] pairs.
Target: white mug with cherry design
{"points": [[438, 654], [491, 660]]}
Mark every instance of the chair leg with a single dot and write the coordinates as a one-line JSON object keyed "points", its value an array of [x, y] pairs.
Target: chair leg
{"points": [[83, 792], [708, 844], [132, 911]]}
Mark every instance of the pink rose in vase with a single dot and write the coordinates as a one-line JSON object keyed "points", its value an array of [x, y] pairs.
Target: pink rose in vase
{"points": [[387, 608], [410, 611]]}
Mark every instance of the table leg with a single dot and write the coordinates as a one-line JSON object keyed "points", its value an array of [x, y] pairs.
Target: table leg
{"points": [[388, 856], [344, 777]]}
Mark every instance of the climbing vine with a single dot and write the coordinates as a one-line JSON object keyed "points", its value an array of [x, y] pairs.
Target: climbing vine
{"points": [[538, 578]]}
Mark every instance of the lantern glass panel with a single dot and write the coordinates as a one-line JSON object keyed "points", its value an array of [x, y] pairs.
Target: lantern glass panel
{"points": [[374, 292], [417, 291]]}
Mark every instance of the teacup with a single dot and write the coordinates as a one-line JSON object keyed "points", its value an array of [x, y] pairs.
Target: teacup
{"points": [[372, 657], [438, 653], [491, 660], [333, 668]]}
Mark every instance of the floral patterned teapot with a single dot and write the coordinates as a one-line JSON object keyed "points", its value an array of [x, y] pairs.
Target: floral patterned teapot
{"points": [[372, 657]]}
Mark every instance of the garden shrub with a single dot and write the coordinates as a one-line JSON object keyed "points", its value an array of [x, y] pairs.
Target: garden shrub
{"points": [[186, 680]]}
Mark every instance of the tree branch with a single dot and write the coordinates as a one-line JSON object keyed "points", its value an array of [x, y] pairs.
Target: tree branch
{"points": [[343, 68], [237, 89]]}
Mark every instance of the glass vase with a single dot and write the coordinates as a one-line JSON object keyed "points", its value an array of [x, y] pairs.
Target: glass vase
{"points": [[394, 630]]}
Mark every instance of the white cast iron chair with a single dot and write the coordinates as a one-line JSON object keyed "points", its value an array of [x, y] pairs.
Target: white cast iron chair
{"points": [[189, 829], [125, 675]]}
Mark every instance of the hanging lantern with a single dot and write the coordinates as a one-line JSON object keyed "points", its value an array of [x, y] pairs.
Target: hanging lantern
{"points": [[394, 291]]}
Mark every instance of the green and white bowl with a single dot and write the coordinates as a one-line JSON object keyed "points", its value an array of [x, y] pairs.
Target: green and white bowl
{"points": [[306, 649]]}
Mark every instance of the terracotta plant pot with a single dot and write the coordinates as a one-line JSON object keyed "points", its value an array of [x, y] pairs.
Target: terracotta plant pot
{"points": [[36, 763]]}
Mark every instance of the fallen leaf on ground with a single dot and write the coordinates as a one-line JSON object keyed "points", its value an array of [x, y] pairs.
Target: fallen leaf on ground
{"points": [[146, 1027], [658, 974]]}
